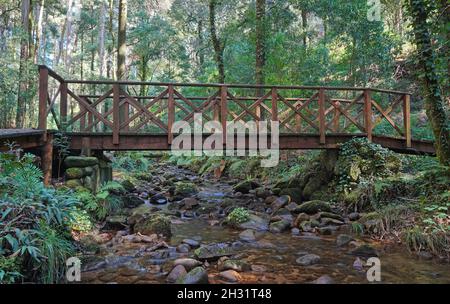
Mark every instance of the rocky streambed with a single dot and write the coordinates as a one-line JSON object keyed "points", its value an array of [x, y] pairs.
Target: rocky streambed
{"points": [[176, 228]]}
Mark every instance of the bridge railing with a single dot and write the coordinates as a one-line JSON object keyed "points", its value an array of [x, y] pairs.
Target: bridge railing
{"points": [[132, 107]]}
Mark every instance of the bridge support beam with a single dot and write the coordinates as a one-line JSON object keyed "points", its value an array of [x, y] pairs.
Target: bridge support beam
{"points": [[47, 159]]}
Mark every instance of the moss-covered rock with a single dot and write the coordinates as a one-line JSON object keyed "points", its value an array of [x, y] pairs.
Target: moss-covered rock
{"points": [[74, 183], [74, 173], [80, 161], [280, 226], [128, 185], [233, 264], [185, 189], [313, 207], [246, 186], [197, 275], [294, 193], [157, 223], [213, 251]]}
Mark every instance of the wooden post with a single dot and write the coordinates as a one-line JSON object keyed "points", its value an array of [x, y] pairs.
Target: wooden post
{"points": [[274, 104], [298, 123], [171, 114], [116, 114], [224, 111], [63, 106], [407, 118], [43, 95], [368, 114], [47, 159], [322, 123]]}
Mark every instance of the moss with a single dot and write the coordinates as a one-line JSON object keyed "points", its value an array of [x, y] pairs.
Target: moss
{"points": [[74, 183], [158, 223], [185, 188], [80, 161], [313, 207], [74, 173]]}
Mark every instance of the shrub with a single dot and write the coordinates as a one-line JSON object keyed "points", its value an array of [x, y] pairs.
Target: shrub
{"points": [[105, 202], [34, 225]]}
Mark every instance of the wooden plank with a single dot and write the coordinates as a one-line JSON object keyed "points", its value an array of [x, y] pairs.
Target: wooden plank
{"points": [[322, 123], [274, 104], [116, 114], [171, 115], [368, 114], [224, 111], [407, 119]]}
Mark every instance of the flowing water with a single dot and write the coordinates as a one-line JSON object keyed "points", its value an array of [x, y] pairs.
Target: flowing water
{"points": [[273, 256]]}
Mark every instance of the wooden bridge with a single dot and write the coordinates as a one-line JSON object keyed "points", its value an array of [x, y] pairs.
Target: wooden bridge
{"points": [[130, 115]]}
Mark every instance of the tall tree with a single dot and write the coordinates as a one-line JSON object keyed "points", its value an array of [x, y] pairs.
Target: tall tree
{"points": [[434, 101], [260, 44], [218, 44], [101, 38], [24, 56], [121, 40]]}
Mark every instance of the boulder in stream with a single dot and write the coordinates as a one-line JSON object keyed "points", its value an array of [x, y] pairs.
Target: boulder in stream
{"points": [[245, 186], [313, 207], [308, 259], [213, 251], [156, 223], [255, 222], [230, 276], [187, 263], [197, 275], [177, 272]]}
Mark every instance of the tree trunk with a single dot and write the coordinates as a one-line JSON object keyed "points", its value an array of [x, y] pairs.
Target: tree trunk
{"points": [[218, 45], [39, 31], [200, 53], [101, 38], [260, 44], [305, 27], [434, 101], [121, 40], [24, 56], [121, 54]]}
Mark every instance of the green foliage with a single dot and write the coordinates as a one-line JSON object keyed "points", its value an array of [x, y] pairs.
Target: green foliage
{"points": [[9, 270], [61, 143], [238, 216], [105, 202], [54, 248], [360, 168], [33, 221], [80, 221], [436, 242], [131, 162]]}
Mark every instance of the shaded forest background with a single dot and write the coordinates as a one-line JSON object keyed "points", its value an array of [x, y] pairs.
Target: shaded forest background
{"points": [[301, 42]]}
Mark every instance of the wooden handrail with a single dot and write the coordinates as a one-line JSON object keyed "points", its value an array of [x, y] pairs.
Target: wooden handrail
{"points": [[362, 112]]}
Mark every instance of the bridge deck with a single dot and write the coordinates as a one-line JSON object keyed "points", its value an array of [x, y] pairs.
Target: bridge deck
{"points": [[25, 138], [155, 141]]}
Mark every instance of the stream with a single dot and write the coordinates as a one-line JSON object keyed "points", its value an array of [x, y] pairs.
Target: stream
{"points": [[272, 256]]}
